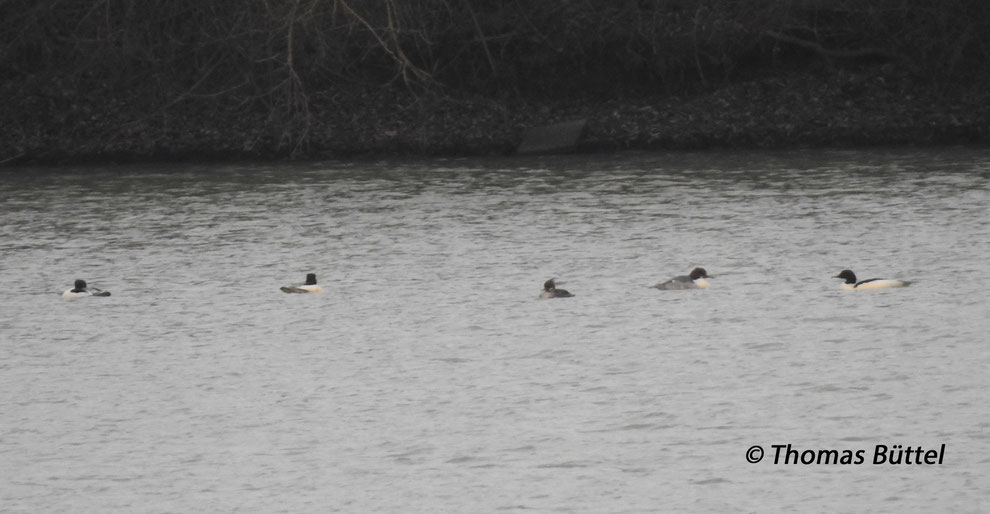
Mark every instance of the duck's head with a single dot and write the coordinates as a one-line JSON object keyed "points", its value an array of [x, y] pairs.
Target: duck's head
{"points": [[549, 285], [847, 275], [697, 273], [80, 284], [311, 279]]}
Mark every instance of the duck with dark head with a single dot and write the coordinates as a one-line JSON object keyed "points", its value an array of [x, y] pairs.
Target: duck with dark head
{"points": [[309, 287], [851, 284], [698, 279], [550, 291], [80, 289]]}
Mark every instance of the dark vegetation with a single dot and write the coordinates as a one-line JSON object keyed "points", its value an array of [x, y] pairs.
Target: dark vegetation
{"points": [[104, 80]]}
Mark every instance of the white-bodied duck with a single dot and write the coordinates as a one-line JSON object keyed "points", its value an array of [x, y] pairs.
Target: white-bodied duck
{"points": [[850, 283], [80, 290], [309, 287], [698, 279]]}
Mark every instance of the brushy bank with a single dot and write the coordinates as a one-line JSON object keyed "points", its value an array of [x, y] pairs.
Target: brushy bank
{"points": [[123, 80], [844, 109]]}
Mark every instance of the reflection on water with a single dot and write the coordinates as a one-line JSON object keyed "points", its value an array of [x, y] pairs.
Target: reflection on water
{"points": [[429, 378]]}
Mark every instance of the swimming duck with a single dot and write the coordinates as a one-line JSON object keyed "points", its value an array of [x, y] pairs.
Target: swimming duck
{"points": [[550, 291], [696, 280], [873, 283], [80, 290], [309, 287]]}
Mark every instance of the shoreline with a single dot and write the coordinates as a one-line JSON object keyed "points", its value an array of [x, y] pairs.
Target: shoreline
{"points": [[838, 110]]}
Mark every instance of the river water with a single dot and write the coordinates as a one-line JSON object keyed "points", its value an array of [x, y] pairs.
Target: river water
{"points": [[428, 377]]}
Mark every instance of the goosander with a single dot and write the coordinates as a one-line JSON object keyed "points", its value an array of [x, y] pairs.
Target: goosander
{"points": [[550, 291], [696, 280], [80, 290], [873, 283], [309, 287]]}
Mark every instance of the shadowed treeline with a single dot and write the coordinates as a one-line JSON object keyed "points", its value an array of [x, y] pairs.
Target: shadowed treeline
{"points": [[277, 57]]}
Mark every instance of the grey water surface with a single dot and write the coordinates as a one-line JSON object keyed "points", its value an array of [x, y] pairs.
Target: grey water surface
{"points": [[428, 377]]}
